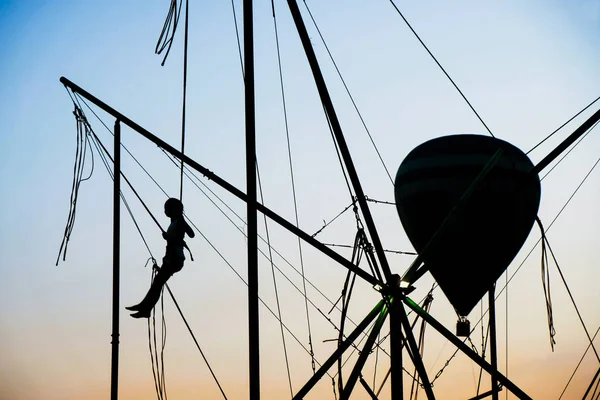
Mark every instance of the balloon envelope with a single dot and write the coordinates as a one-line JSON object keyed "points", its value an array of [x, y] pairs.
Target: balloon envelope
{"points": [[490, 226]]}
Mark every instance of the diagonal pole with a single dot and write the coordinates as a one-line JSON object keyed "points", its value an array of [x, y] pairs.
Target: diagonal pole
{"points": [[465, 349], [339, 351], [414, 352], [362, 358], [223, 183]]}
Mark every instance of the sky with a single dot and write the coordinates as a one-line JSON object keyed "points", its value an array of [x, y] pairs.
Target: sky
{"points": [[526, 66]]}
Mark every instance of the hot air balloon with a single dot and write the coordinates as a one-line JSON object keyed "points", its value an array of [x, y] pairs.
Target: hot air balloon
{"points": [[486, 230]]}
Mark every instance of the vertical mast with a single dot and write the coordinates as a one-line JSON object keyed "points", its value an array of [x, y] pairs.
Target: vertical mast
{"points": [[114, 372], [493, 342], [253, 331]]}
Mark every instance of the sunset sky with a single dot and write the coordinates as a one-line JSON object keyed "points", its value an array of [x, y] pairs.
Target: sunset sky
{"points": [[527, 66]]}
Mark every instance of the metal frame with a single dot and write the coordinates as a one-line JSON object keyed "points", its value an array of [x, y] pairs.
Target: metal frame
{"points": [[394, 296]]}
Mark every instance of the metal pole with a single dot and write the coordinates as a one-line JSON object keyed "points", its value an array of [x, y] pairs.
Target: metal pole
{"points": [[567, 142], [340, 350], [414, 351], [253, 317], [364, 354], [114, 372], [465, 349], [396, 345], [493, 345]]}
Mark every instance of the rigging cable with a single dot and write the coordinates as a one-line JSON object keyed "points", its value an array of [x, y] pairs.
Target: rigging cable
{"points": [[572, 299], [348, 91], [261, 251], [237, 36], [563, 125], [555, 218], [569, 152], [287, 363], [165, 40], [578, 364], [442, 68], [289, 149], [325, 224]]}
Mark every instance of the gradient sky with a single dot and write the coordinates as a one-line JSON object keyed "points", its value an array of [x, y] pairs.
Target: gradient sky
{"points": [[527, 66]]}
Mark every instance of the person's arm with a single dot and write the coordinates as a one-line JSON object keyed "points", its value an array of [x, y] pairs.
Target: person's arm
{"points": [[189, 230]]}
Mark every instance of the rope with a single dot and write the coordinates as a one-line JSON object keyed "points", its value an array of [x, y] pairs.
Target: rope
{"points": [[347, 246], [563, 125], [287, 363], [326, 224], [551, 223], [572, 299], [185, 58], [578, 364], [349, 94], [237, 35], [165, 40], [546, 285], [194, 337], [289, 150], [81, 149], [442, 68]]}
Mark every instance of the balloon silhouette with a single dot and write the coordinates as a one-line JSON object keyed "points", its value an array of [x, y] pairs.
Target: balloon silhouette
{"points": [[487, 230]]}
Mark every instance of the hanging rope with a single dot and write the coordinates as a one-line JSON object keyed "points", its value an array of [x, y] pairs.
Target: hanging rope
{"points": [[81, 150], [551, 223], [165, 40], [546, 286], [571, 297]]}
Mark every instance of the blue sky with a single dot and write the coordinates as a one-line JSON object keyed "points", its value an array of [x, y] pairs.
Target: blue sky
{"points": [[527, 66]]}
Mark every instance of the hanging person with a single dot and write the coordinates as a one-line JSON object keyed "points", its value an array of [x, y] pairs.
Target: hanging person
{"points": [[172, 261]]}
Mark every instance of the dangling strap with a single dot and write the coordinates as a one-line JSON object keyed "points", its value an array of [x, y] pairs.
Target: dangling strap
{"points": [[188, 249]]}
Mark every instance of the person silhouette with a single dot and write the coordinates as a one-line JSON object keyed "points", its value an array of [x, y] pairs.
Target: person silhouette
{"points": [[172, 262]]}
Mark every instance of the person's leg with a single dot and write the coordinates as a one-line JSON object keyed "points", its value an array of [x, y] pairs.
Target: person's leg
{"points": [[147, 304]]}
